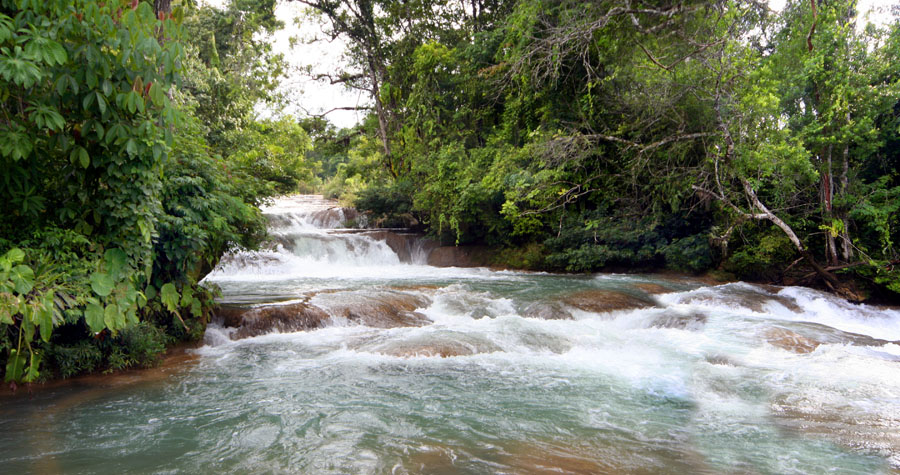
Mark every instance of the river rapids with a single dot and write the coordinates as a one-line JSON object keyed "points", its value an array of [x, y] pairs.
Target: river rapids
{"points": [[342, 351]]}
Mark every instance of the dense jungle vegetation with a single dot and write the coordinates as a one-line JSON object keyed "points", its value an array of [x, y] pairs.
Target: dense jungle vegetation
{"points": [[580, 136], [132, 159], [577, 136]]}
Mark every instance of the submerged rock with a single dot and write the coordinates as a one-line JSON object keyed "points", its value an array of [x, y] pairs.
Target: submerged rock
{"points": [[333, 218], [826, 334], [815, 334], [790, 340], [602, 301], [872, 431], [751, 297], [266, 319], [720, 360], [443, 349], [384, 309], [690, 321], [652, 289], [547, 311]]}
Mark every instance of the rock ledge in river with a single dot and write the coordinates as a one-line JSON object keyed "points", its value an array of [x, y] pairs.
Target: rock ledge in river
{"points": [[602, 301]]}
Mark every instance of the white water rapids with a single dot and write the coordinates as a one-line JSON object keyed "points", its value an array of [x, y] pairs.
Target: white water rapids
{"points": [[420, 369]]}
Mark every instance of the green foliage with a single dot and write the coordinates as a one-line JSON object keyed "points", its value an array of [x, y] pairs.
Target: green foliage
{"points": [[568, 124], [689, 254], [388, 206], [109, 189], [271, 156], [766, 249]]}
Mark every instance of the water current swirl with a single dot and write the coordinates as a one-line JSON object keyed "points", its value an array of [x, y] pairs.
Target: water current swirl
{"points": [[342, 351]]}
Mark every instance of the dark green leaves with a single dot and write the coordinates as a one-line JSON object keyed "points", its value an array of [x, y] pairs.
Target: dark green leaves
{"points": [[80, 156], [115, 260]]}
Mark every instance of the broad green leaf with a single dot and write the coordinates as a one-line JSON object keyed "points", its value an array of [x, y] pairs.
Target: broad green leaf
{"points": [[101, 103], [93, 316], [23, 278], [187, 297], [113, 318], [116, 260], [131, 147], [157, 95], [34, 365], [44, 317], [169, 296], [196, 308], [14, 366], [15, 255], [7, 308], [102, 283]]}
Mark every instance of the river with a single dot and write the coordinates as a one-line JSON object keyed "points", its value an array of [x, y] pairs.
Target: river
{"points": [[401, 367]]}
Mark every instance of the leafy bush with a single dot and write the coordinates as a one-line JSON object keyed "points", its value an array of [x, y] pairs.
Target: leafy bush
{"points": [[689, 254]]}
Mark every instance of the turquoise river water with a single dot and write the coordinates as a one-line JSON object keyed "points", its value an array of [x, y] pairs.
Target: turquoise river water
{"points": [[504, 372]]}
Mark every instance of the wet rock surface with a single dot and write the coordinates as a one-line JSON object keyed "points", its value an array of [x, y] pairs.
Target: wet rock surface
{"points": [[266, 319], [547, 311], [681, 321], [790, 340], [751, 297], [652, 289], [603, 300], [409, 247], [459, 256], [445, 349], [384, 309], [805, 337], [877, 434]]}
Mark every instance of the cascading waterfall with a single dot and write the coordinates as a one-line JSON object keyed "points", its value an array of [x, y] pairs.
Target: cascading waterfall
{"points": [[350, 355]]}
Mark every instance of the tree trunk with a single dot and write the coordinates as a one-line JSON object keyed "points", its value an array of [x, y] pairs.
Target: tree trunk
{"points": [[827, 212], [162, 6], [846, 244], [830, 280]]}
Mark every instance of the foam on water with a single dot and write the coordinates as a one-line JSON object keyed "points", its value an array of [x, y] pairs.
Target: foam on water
{"points": [[692, 382]]}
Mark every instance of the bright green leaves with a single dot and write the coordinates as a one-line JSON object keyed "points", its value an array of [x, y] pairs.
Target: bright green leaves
{"points": [[102, 284], [168, 294], [112, 283], [15, 278], [43, 319], [15, 366], [113, 318], [16, 67], [157, 95], [45, 50], [6, 28], [14, 256], [29, 304], [22, 278], [93, 316]]}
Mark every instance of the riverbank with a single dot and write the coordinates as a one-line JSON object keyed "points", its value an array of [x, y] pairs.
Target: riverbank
{"points": [[175, 359]]}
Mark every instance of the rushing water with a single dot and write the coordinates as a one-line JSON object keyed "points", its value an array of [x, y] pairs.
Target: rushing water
{"points": [[499, 372]]}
